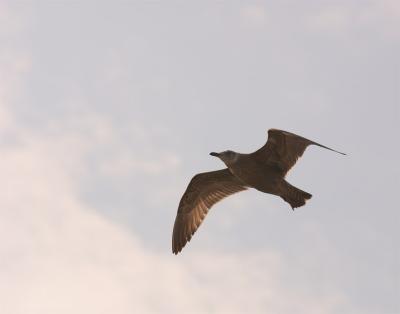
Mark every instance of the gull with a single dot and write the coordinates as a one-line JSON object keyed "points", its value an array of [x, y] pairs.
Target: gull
{"points": [[264, 170]]}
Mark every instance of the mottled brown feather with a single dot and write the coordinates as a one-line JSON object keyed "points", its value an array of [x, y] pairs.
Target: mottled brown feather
{"points": [[204, 190], [283, 149]]}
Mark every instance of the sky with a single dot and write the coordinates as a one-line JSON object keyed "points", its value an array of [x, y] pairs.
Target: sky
{"points": [[107, 109]]}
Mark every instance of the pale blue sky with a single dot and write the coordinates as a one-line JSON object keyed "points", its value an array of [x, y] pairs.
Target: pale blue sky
{"points": [[108, 109]]}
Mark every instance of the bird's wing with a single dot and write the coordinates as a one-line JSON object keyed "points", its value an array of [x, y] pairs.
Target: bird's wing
{"points": [[284, 148], [204, 190]]}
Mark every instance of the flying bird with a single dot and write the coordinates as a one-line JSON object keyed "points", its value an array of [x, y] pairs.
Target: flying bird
{"points": [[264, 170]]}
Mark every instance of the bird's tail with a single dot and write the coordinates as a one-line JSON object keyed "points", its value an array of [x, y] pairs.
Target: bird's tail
{"points": [[294, 196]]}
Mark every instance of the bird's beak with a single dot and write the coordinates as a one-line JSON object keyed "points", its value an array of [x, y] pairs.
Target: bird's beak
{"points": [[214, 154]]}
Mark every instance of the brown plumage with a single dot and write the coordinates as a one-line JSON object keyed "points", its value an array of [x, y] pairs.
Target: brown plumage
{"points": [[264, 170]]}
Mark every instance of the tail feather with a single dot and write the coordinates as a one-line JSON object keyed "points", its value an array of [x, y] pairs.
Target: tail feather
{"points": [[294, 196]]}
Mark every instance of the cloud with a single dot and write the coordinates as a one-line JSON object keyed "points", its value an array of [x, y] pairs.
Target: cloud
{"points": [[383, 16], [332, 18], [60, 256], [253, 15]]}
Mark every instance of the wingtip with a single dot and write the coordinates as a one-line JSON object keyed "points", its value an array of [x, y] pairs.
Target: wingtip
{"points": [[326, 147], [176, 250], [336, 151]]}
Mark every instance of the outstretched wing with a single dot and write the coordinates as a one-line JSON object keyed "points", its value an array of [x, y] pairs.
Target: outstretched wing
{"points": [[203, 191], [284, 148]]}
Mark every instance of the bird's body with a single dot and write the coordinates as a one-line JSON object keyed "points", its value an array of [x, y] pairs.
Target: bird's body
{"points": [[264, 170], [255, 174]]}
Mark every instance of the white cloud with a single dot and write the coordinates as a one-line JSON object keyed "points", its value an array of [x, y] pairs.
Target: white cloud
{"points": [[382, 16], [253, 14], [60, 256], [128, 164], [89, 132], [332, 18]]}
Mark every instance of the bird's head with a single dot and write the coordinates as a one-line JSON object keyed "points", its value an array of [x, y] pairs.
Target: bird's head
{"points": [[228, 157]]}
